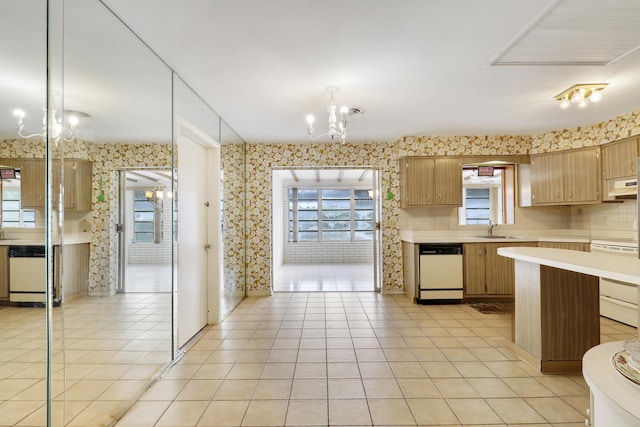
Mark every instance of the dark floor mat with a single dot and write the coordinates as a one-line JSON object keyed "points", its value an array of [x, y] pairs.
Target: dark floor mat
{"points": [[492, 307]]}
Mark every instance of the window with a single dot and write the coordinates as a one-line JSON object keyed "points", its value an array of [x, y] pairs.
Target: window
{"points": [[487, 199], [12, 213], [330, 215], [144, 218]]}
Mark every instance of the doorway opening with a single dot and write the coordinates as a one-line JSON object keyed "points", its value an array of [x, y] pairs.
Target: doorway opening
{"points": [[325, 231], [145, 230]]}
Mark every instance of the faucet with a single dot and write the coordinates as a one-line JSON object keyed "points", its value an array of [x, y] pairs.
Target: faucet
{"points": [[491, 225]]}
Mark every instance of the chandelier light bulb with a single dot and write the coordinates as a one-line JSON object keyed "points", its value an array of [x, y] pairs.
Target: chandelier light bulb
{"points": [[18, 113], [582, 104], [578, 96], [344, 110], [596, 95], [310, 119], [565, 103]]}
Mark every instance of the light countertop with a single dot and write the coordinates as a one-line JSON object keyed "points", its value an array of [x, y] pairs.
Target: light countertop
{"points": [[431, 237], [623, 269]]}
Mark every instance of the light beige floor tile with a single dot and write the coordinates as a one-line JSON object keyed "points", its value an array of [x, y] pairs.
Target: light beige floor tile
{"points": [[349, 412], [307, 413], [432, 412], [491, 387], [182, 413], [474, 370], [222, 356], [343, 370], [123, 390], [454, 388], [555, 410], [13, 386], [278, 370], [473, 411], [312, 355], [224, 413], [253, 356], [381, 388], [345, 388], [245, 371], [579, 403], [164, 390], [87, 389], [235, 390], [341, 355], [282, 355], [429, 355], [441, 369], [515, 411], [199, 390], [390, 412], [506, 369], [527, 387], [309, 388], [418, 388], [375, 370], [97, 410], [13, 411], [563, 386], [370, 355], [458, 355], [213, 371], [266, 413], [311, 370], [272, 389], [61, 414], [408, 370], [143, 414]]}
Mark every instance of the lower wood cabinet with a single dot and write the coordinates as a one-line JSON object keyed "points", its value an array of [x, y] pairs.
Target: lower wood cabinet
{"points": [[4, 273], [75, 269], [573, 246], [486, 273]]}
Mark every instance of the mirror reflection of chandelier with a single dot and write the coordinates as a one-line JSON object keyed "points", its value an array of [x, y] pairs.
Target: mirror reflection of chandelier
{"points": [[337, 129], [66, 133]]}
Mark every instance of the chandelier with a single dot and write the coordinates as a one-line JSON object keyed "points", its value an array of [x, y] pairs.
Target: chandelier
{"points": [[579, 94], [337, 128], [59, 132]]}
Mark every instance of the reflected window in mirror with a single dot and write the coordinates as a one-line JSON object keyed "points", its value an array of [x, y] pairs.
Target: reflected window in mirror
{"points": [[12, 213], [147, 217], [488, 195]]}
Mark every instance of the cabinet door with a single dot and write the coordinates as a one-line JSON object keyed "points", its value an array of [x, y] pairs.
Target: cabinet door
{"points": [[547, 184], [77, 184], [416, 182], [448, 182], [582, 176], [619, 159], [32, 183], [474, 269]]}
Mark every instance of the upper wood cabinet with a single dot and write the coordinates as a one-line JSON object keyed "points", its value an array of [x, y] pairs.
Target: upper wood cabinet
{"points": [[32, 183], [566, 177], [619, 159], [77, 183], [430, 181]]}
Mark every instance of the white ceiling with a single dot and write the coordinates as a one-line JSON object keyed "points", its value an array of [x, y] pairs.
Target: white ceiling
{"points": [[417, 67]]}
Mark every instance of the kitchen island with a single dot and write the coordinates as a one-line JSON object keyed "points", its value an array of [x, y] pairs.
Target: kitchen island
{"points": [[556, 315]]}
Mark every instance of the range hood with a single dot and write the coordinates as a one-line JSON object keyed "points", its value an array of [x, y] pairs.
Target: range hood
{"points": [[625, 187]]}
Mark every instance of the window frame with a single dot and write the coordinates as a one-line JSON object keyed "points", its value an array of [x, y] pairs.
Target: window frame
{"points": [[321, 231]]}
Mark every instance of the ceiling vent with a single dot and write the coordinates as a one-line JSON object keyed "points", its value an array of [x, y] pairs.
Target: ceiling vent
{"points": [[576, 32]]}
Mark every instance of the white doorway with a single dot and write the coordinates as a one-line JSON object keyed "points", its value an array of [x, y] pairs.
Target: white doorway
{"points": [[325, 230], [199, 238]]}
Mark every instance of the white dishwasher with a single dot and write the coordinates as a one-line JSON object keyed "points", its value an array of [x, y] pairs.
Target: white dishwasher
{"points": [[27, 274], [441, 278]]}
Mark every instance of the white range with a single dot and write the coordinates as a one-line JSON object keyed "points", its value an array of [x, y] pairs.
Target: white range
{"points": [[618, 300]]}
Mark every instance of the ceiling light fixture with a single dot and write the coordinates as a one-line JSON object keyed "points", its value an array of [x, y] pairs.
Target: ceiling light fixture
{"points": [[337, 129], [66, 133], [579, 94]]}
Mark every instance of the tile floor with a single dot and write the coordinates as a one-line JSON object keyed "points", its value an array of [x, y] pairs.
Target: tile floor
{"points": [[348, 359], [323, 277], [113, 347]]}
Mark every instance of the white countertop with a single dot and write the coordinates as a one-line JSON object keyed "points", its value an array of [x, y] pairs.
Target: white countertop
{"points": [[623, 269], [429, 237], [70, 240], [600, 374]]}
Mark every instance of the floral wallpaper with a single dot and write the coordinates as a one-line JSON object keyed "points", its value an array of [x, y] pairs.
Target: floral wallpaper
{"points": [[261, 159]]}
